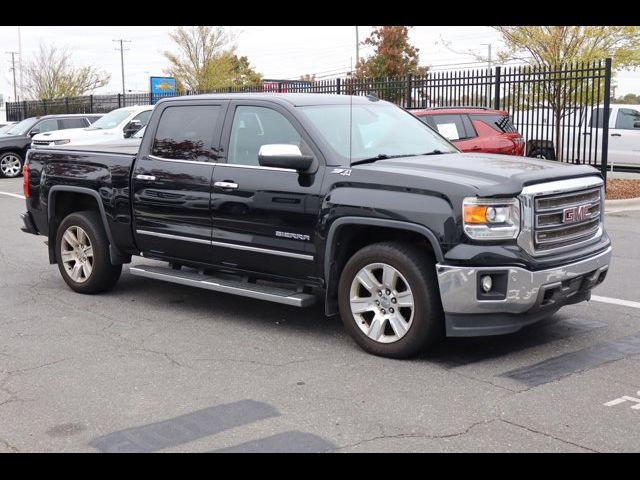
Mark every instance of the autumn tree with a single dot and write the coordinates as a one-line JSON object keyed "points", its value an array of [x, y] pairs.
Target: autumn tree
{"points": [[205, 60], [549, 47], [393, 56], [51, 74]]}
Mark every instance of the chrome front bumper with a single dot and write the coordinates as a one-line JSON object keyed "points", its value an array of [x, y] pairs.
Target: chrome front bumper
{"points": [[525, 289]]}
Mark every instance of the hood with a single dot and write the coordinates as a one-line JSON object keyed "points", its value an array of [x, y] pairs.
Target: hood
{"points": [[80, 135], [486, 174], [8, 139]]}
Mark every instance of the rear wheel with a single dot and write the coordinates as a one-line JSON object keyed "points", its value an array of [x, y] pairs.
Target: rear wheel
{"points": [[10, 164], [389, 299], [82, 249]]}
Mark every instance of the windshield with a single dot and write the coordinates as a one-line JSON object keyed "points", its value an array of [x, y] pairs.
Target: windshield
{"points": [[23, 127], [379, 129], [112, 119], [6, 128]]}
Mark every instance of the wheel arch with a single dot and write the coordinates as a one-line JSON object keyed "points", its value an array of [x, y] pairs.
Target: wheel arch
{"points": [[377, 230], [90, 200]]}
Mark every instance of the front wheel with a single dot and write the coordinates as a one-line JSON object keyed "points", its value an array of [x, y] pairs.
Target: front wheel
{"points": [[389, 299], [82, 250], [10, 164]]}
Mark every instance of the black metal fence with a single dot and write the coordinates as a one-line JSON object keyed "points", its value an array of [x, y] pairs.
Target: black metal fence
{"points": [[562, 112]]}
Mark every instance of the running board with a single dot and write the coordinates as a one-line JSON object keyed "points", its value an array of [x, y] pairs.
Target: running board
{"points": [[225, 285]]}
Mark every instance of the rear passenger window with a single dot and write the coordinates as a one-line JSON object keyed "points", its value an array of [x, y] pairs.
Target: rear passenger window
{"points": [[186, 133], [454, 127], [72, 123], [500, 123]]}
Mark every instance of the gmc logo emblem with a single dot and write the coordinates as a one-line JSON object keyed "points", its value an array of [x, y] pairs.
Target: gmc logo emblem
{"points": [[576, 214]]}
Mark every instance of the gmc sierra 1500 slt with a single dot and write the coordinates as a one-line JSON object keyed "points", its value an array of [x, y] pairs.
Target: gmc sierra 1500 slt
{"points": [[351, 200]]}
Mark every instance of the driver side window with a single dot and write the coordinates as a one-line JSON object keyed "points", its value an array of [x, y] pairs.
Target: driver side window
{"points": [[46, 125], [143, 118], [627, 119], [256, 126]]}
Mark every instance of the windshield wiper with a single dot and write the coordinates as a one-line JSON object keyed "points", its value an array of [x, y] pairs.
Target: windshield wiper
{"points": [[382, 156], [434, 152]]}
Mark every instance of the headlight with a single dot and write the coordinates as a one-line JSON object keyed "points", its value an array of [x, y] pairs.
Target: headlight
{"points": [[61, 142], [491, 218]]}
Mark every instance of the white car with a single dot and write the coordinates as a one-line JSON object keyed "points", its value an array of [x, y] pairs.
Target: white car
{"points": [[117, 124]]}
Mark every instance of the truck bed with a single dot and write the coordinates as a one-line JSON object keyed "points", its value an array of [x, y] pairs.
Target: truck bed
{"points": [[123, 147]]}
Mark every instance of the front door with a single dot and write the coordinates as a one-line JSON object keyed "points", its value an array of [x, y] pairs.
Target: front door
{"points": [[172, 185], [624, 138], [264, 218]]}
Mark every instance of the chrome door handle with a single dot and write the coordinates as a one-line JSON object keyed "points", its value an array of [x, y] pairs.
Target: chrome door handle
{"points": [[228, 185], [145, 177]]}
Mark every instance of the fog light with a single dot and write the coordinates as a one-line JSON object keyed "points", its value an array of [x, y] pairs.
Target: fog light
{"points": [[486, 283]]}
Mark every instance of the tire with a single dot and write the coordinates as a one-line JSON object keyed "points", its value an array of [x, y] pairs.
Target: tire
{"points": [[11, 165], [415, 273], [544, 153], [95, 273]]}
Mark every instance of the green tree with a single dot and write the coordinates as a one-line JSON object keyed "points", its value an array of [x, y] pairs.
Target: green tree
{"points": [[549, 47], [629, 99], [206, 61], [242, 74], [51, 74]]}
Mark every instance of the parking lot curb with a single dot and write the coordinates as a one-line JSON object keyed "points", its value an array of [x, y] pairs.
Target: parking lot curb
{"points": [[622, 205]]}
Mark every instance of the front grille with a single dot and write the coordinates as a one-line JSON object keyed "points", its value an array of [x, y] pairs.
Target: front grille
{"points": [[565, 219], [41, 142]]}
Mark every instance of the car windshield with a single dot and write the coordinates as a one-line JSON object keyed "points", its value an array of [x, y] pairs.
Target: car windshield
{"points": [[6, 128], [23, 127], [112, 119], [380, 130]]}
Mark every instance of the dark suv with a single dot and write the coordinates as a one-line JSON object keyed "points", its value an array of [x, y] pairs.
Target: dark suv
{"points": [[15, 143], [475, 129]]}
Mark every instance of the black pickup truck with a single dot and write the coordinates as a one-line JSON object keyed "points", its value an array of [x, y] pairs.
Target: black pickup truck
{"points": [[351, 201]]}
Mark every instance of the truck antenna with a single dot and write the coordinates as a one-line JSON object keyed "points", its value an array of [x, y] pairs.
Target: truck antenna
{"points": [[350, 107]]}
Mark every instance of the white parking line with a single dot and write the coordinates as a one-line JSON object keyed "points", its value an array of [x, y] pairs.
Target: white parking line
{"points": [[12, 195], [615, 301]]}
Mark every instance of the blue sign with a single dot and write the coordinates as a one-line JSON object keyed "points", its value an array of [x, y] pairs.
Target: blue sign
{"points": [[162, 87]]}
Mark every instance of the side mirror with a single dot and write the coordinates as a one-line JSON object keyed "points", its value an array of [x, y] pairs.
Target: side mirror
{"points": [[636, 124], [284, 156], [132, 127], [33, 132]]}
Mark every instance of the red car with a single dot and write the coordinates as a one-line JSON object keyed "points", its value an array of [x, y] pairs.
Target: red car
{"points": [[475, 129]]}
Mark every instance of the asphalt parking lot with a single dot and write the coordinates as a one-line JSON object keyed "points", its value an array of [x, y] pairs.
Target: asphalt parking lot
{"points": [[152, 366]]}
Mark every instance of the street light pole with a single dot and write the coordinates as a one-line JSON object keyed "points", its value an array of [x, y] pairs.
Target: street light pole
{"points": [[489, 65], [13, 68], [357, 47], [122, 49]]}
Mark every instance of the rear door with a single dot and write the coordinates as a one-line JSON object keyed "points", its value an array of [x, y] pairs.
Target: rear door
{"points": [[457, 128], [264, 218], [624, 137], [171, 182]]}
